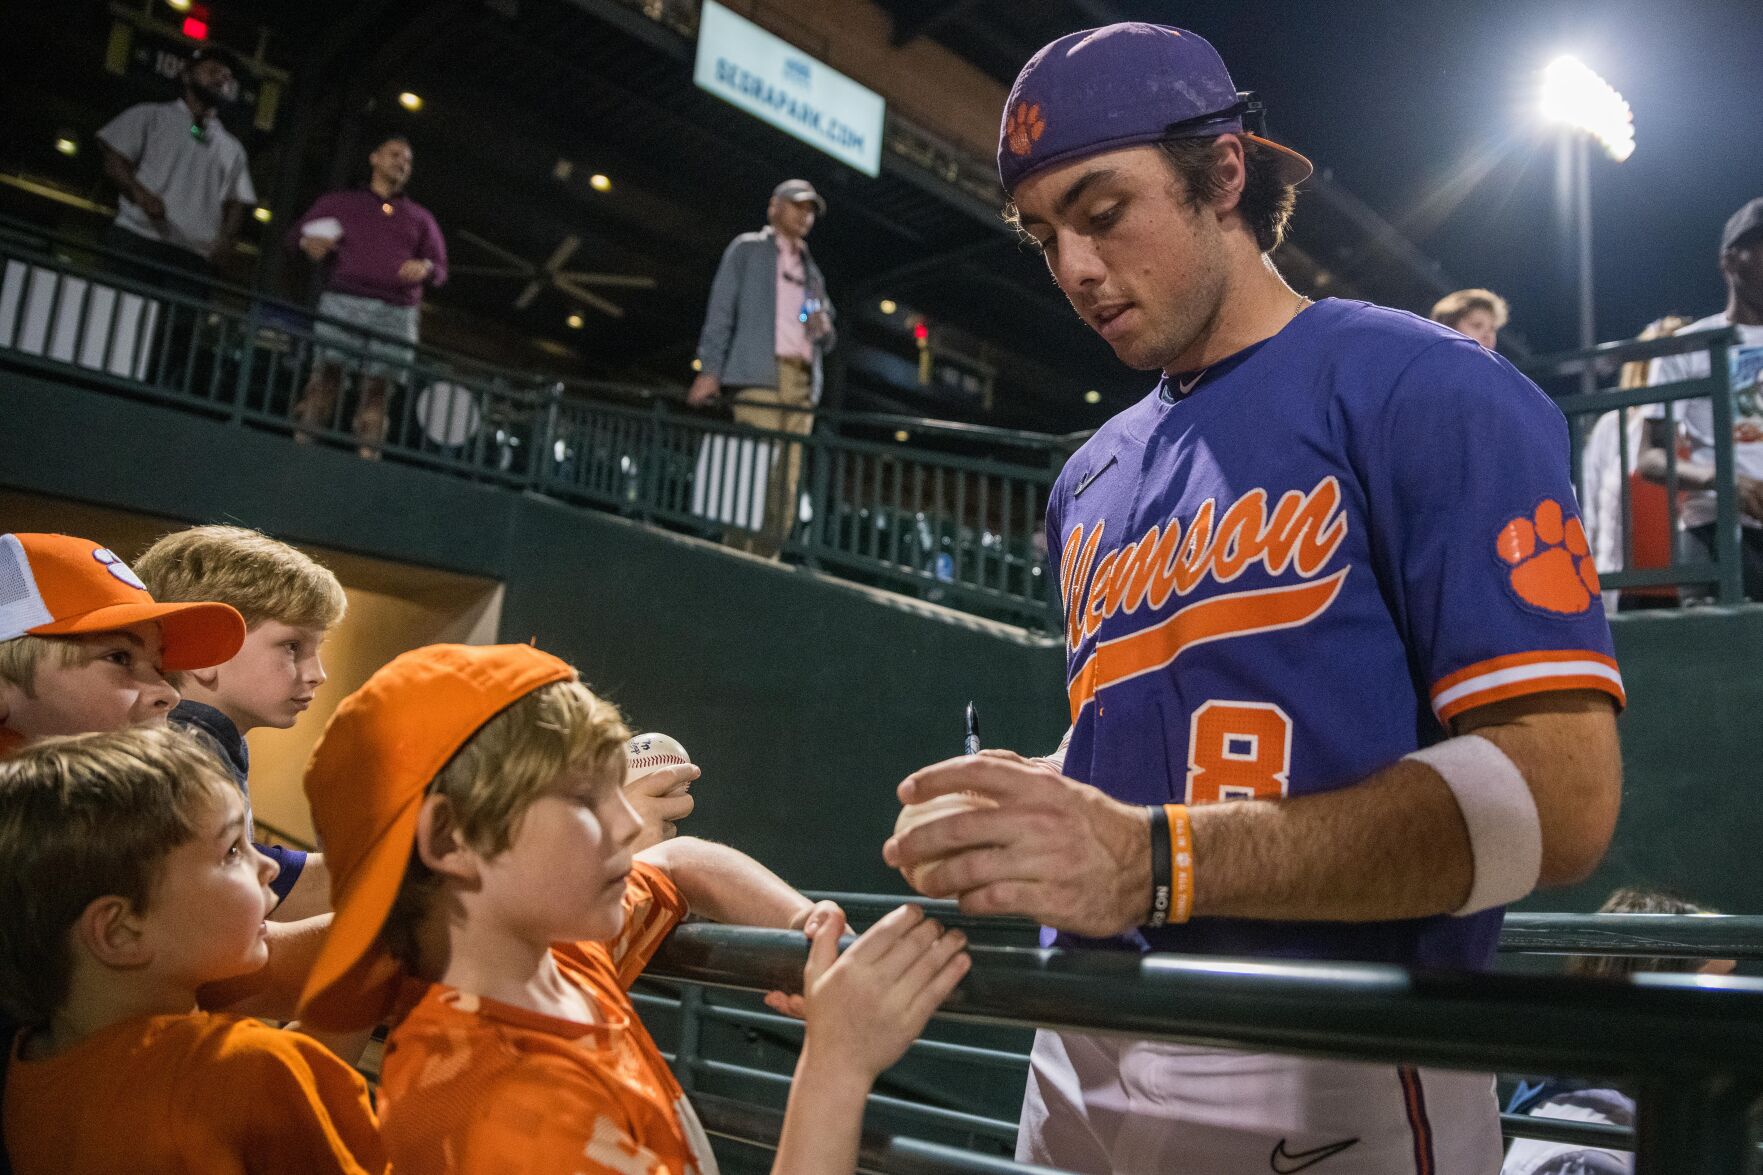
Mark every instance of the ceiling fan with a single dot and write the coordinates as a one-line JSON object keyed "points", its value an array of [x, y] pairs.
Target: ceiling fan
{"points": [[572, 283]]}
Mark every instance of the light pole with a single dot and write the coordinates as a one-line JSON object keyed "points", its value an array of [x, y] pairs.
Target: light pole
{"points": [[1588, 108]]}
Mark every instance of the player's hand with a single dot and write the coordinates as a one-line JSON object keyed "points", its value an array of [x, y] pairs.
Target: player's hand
{"points": [[1055, 850], [152, 205], [703, 390], [808, 922], [415, 270], [662, 799], [1750, 496], [317, 248], [864, 1007]]}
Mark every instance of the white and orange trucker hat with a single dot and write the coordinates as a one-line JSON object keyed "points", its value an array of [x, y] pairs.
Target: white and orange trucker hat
{"points": [[57, 585]]}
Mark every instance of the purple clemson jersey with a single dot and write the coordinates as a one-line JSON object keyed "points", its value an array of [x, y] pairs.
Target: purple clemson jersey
{"points": [[1345, 536]]}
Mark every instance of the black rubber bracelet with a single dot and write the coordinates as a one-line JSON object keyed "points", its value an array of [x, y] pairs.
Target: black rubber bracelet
{"points": [[1162, 881]]}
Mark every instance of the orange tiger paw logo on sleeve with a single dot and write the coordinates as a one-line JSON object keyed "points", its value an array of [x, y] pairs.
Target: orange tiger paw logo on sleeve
{"points": [[1550, 560], [1025, 128]]}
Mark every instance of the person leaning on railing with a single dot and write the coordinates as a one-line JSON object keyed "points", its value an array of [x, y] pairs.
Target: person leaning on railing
{"points": [[1340, 682], [1647, 525], [767, 326], [378, 250], [1741, 264]]}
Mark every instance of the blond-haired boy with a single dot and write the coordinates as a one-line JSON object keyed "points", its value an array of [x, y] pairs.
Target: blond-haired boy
{"points": [[482, 862], [290, 602], [127, 881], [85, 647]]}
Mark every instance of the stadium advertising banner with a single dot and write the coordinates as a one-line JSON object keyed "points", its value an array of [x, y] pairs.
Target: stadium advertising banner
{"points": [[773, 80]]}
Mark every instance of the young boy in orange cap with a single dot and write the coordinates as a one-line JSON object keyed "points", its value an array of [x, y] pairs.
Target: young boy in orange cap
{"points": [[481, 858], [84, 646], [128, 881]]}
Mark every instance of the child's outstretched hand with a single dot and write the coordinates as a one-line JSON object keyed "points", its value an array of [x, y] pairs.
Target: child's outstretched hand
{"points": [[864, 1007], [807, 921]]}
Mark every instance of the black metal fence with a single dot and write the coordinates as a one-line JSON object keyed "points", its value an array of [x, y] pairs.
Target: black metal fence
{"points": [[1690, 1046]]}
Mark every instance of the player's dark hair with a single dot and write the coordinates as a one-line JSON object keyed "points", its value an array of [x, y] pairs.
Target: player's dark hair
{"points": [[1266, 202]]}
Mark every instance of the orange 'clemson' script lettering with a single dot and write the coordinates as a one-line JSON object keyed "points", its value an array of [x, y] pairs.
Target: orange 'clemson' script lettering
{"points": [[1303, 531]]}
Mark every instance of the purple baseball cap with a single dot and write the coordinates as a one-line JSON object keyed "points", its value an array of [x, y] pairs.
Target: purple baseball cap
{"points": [[1120, 86]]}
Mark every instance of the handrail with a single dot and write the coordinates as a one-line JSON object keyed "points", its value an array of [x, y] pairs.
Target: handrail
{"points": [[1680, 1024], [1692, 1045], [1668, 936]]}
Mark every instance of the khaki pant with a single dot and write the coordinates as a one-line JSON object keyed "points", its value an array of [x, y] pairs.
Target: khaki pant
{"points": [[769, 409]]}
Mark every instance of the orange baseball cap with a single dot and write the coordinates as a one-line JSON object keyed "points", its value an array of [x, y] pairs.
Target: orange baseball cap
{"points": [[369, 772], [57, 585]]}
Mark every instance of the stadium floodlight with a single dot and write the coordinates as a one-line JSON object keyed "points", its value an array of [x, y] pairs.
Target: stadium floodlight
{"points": [[1575, 96]]}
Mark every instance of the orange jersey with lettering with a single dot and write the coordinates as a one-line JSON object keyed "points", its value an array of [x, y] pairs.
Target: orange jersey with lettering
{"points": [[475, 1085], [203, 1094]]}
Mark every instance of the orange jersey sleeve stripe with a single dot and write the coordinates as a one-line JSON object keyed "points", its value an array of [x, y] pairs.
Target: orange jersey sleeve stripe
{"points": [[1552, 683], [1513, 661]]}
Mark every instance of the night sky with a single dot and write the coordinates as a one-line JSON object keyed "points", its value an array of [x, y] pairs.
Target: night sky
{"points": [[1426, 111]]}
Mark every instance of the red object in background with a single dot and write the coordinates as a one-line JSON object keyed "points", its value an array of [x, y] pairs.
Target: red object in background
{"points": [[196, 22], [920, 331]]}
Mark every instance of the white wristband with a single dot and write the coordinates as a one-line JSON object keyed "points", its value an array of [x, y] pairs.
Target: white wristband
{"points": [[1057, 757], [1505, 834]]}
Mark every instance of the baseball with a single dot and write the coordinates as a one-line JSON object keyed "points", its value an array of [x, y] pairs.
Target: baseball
{"points": [[912, 815], [651, 752]]}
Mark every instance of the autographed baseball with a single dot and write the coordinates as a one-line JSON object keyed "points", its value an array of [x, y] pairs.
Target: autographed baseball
{"points": [[651, 752], [912, 815]]}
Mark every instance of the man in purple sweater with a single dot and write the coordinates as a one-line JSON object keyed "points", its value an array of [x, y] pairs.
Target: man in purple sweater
{"points": [[378, 248]]}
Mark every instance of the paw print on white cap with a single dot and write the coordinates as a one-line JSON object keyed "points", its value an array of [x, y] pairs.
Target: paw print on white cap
{"points": [[118, 568]]}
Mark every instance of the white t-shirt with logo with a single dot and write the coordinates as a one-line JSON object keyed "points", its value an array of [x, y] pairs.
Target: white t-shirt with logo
{"points": [[1696, 417]]}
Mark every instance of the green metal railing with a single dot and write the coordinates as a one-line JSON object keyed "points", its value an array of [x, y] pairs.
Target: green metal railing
{"points": [[1583, 409], [1691, 1046], [954, 518], [952, 515]]}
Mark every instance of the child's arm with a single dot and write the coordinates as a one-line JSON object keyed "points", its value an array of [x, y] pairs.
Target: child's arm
{"points": [[311, 895], [863, 1009], [726, 885]]}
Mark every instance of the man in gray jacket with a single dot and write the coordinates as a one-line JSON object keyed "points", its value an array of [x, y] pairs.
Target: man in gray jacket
{"points": [[768, 324]]}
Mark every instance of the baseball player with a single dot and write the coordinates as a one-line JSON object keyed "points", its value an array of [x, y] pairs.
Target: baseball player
{"points": [[1341, 685]]}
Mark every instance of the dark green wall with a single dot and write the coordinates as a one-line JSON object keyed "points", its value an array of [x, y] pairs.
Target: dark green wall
{"points": [[806, 699]]}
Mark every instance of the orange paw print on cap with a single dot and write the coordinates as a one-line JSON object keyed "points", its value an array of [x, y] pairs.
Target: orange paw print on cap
{"points": [[1025, 128], [1550, 559]]}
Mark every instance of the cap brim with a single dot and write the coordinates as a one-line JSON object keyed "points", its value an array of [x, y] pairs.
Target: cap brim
{"points": [[1293, 167], [192, 636], [354, 981], [808, 198]]}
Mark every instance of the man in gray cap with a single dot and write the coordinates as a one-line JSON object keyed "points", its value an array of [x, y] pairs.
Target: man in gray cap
{"points": [[1340, 682], [768, 324], [1741, 264]]}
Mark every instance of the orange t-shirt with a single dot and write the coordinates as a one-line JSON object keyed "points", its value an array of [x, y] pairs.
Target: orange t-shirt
{"points": [[474, 1085], [202, 1093]]}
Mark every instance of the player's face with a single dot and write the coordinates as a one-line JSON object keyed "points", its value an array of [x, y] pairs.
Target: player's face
{"points": [[114, 682], [562, 877], [271, 679], [205, 918], [1141, 267]]}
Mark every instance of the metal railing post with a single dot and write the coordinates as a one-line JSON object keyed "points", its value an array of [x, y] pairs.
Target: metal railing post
{"points": [[691, 1023], [1726, 516]]}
